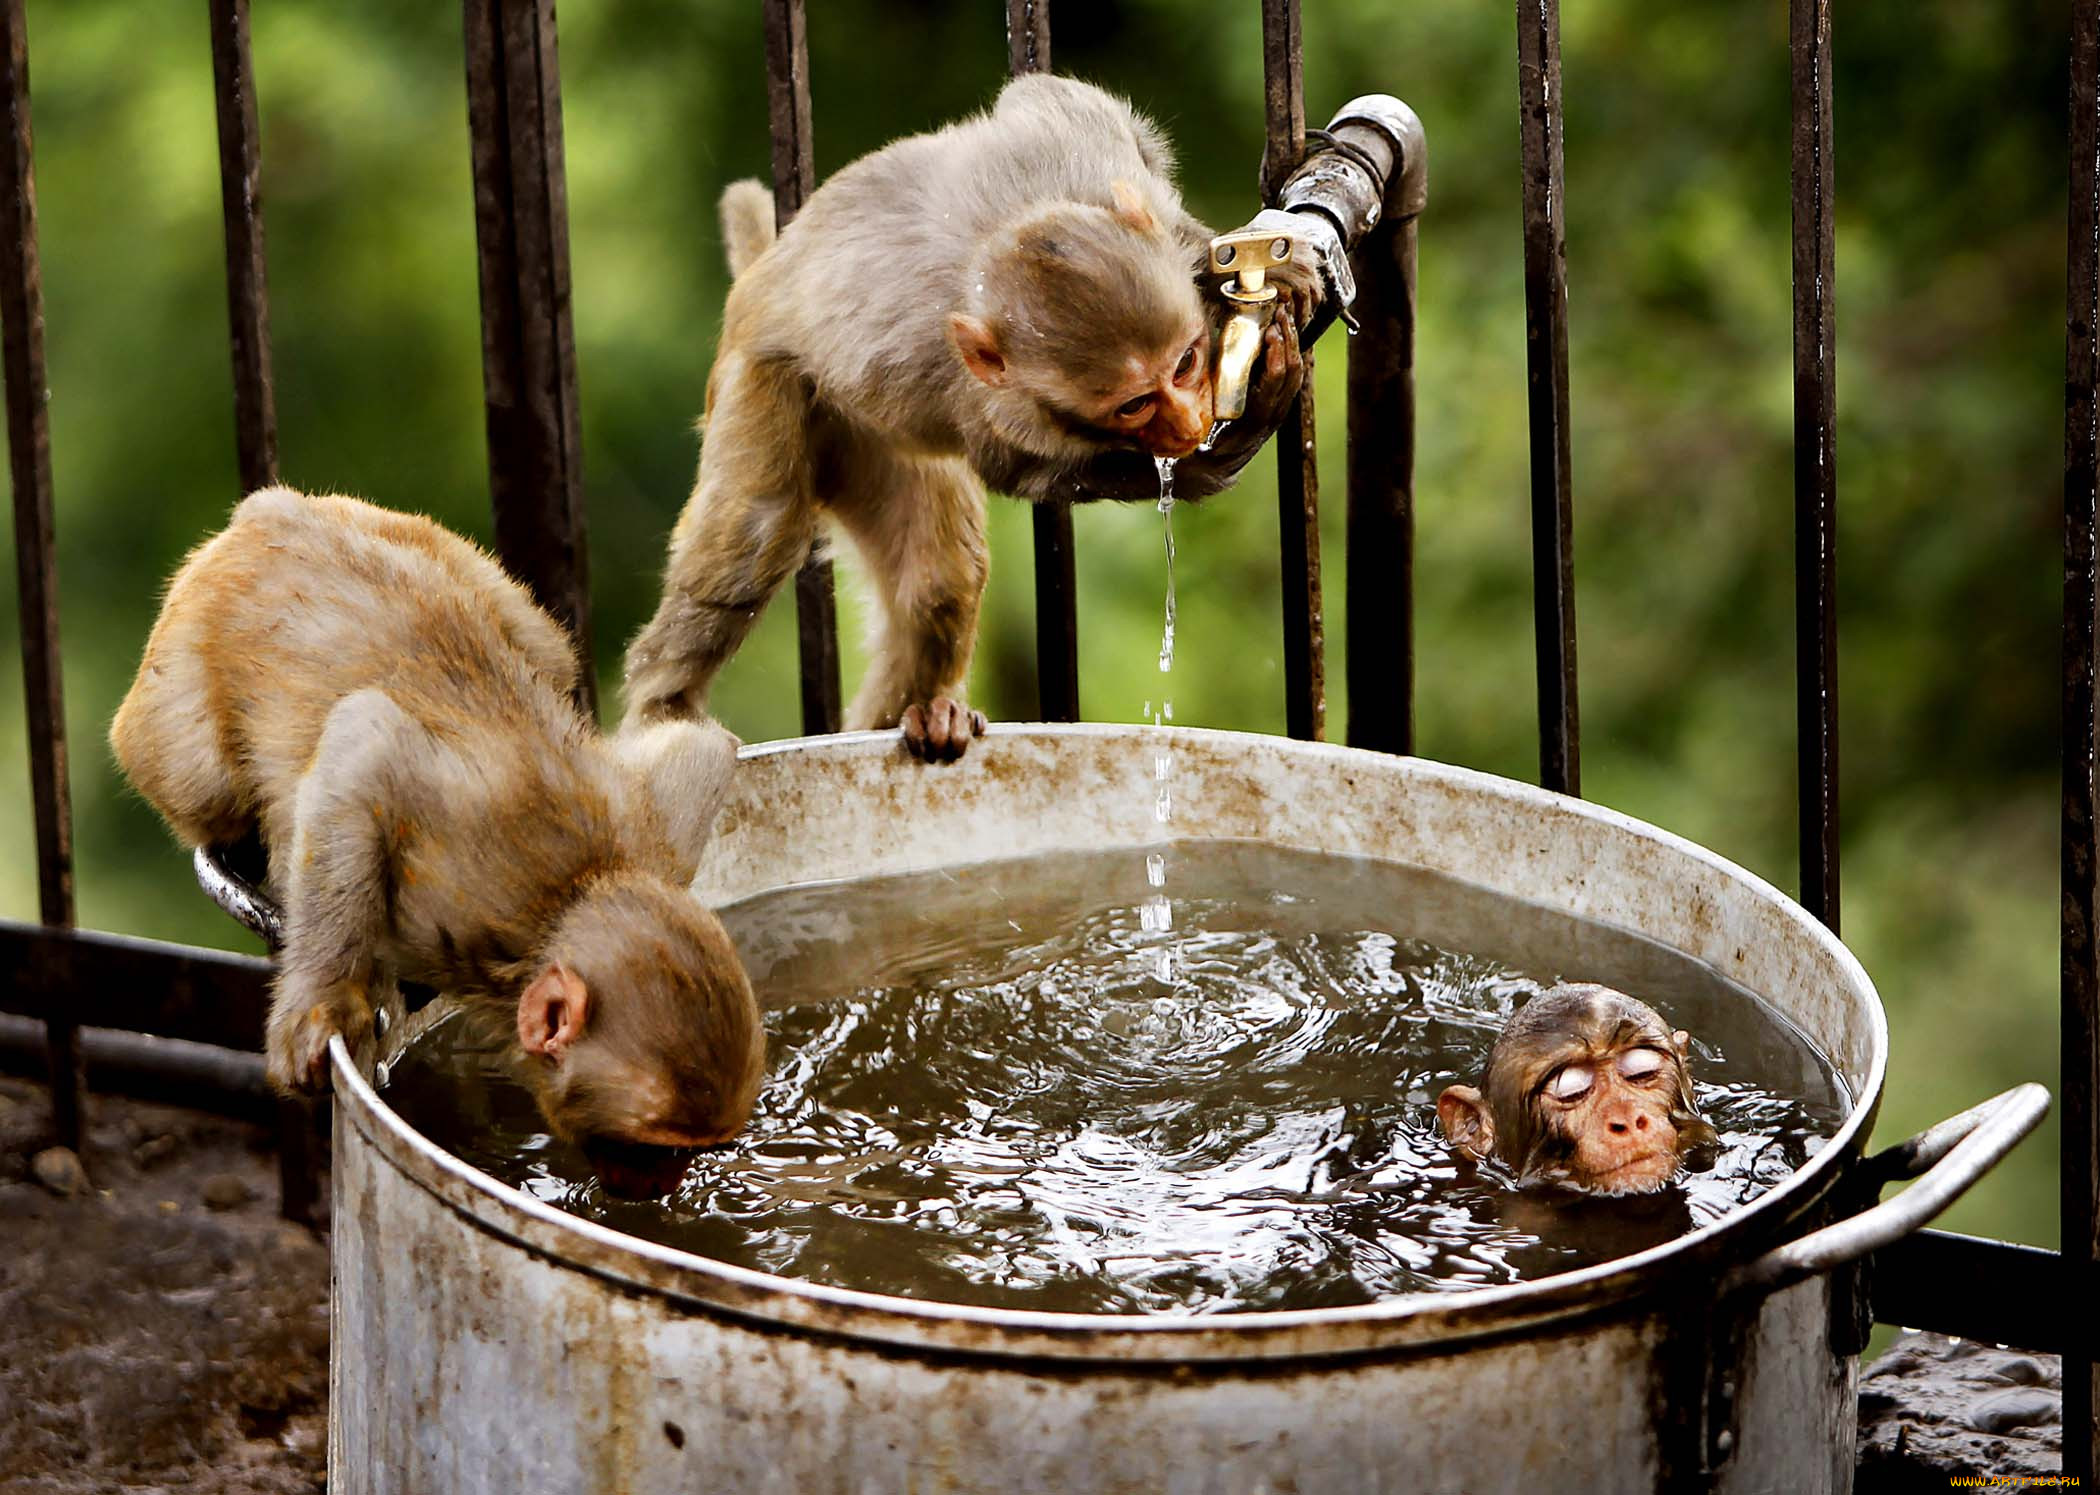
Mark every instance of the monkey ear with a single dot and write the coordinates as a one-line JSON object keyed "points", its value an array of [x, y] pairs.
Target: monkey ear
{"points": [[684, 767], [1463, 1115], [1131, 207], [979, 347], [1682, 1042], [552, 1011]]}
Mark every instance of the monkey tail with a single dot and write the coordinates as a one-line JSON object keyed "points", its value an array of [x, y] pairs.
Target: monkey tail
{"points": [[747, 222]]}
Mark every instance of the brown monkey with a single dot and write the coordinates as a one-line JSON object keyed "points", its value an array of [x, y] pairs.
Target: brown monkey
{"points": [[1011, 301], [1586, 1089], [393, 715]]}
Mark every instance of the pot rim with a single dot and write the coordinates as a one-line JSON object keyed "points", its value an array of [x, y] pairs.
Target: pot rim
{"points": [[702, 1284]]}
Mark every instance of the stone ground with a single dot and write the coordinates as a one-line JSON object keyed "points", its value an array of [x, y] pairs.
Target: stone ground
{"points": [[160, 1328]]}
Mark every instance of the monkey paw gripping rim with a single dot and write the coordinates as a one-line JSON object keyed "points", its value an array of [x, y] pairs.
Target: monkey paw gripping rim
{"points": [[1723, 1359]]}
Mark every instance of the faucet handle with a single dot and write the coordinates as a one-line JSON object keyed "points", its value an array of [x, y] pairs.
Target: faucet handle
{"points": [[1248, 255]]}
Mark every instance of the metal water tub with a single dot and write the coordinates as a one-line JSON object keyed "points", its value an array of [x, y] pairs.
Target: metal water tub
{"points": [[486, 1342]]}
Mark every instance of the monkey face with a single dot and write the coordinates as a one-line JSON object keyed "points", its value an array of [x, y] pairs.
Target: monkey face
{"points": [[1587, 1089], [1166, 402], [667, 1049]]}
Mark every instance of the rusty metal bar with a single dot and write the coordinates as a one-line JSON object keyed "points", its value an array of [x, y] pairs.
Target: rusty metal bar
{"points": [[1815, 457], [2010, 1294], [1056, 586], [528, 349], [1381, 541], [36, 560], [1297, 469], [1546, 348], [114, 981], [2080, 969], [247, 284], [794, 178]]}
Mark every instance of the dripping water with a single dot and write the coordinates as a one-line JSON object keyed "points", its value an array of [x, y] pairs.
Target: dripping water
{"points": [[1156, 916]]}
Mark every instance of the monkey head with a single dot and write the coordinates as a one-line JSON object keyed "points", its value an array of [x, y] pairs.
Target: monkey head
{"points": [[1586, 1089], [639, 1027], [1084, 325]]}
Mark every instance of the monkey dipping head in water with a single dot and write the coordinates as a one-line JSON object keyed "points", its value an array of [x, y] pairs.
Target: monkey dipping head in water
{"points": [[394, 718]]}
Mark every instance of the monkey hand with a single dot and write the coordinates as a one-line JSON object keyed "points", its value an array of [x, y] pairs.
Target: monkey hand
{"points": [[941, 730], [301, 1023]]}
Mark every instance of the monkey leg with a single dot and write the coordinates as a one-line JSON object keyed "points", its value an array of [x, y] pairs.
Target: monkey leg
{"points": [[748, 525], [919, 525], [349, 809]]}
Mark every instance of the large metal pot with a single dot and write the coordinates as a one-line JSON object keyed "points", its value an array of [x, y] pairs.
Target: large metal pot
{"points": [[487, 1342]]}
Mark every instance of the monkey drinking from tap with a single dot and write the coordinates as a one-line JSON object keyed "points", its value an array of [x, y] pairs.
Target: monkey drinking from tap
{"points": [[1011, 302], [1585, 1089], [392, 714]]}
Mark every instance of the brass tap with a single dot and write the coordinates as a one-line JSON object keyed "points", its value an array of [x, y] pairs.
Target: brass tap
{"points": [[1247, 256]]}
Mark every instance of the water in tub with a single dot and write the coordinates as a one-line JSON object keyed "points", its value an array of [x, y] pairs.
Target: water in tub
{"points": [[981, 1091]]}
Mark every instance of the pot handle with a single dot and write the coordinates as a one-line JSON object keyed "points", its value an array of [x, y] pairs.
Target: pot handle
{"points": [[1951, 1156]]}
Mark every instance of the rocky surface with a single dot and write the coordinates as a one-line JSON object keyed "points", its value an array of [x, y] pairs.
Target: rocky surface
{"points": [[1934, 1407], [160, 1328]]}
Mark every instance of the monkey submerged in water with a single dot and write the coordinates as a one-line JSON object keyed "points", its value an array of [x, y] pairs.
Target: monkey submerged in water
{"points": [[1010, 302], [394, 716], [1585, 1089]]}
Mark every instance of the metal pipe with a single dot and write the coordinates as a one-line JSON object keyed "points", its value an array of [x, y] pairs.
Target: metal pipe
{"points": [[1546, 345], [1381, 669], [1297, 466], [1056, 585], [794, 178], [1815, 457], [36, 561], [171, 1070], [528, 347], [2080, 981], [247, 280]]}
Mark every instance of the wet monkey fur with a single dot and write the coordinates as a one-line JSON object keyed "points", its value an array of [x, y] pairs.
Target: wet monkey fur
{"points": [[1011, 302], [1585, 1089], [392, 714]]}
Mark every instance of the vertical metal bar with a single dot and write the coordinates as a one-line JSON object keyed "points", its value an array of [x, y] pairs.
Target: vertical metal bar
{"points": [[1546, 347], [528, 350], [1381, 543], [794, 178], [2081, 745], [247, 289], [1297, 471], [1056, 586], [36, 561], [1815, 458], [255, 422]]}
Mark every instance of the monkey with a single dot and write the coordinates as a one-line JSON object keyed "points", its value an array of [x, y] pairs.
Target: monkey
{"points": [[1010, 302], [1585, 1089], [394, 717]]}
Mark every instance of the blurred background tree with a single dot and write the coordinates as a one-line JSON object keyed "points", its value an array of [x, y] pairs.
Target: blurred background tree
{"points": [[1951, 174]]}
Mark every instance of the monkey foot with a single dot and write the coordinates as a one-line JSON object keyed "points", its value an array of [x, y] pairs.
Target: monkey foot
{"points": [[940, 731]]}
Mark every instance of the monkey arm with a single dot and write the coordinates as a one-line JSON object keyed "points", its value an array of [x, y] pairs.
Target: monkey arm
{"points": [[339, 885]]}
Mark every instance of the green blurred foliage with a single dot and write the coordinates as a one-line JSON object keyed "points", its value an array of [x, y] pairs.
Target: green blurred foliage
{"points": [[1950, 229]]}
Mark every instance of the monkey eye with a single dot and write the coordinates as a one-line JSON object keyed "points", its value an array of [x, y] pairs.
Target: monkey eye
{"points": [[1571, 1083], [1137, 405], [1641, 1064], [1187, 366]]}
